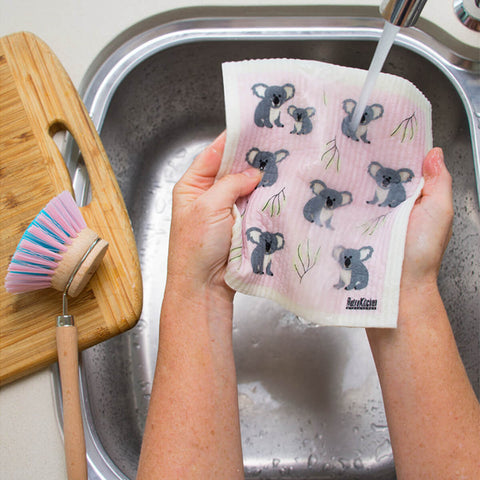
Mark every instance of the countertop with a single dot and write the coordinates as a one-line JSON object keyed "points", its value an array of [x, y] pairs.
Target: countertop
{"points": [[30, 437]]}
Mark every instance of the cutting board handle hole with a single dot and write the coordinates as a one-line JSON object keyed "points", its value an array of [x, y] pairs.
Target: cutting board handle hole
{"points": [[74, 162]]}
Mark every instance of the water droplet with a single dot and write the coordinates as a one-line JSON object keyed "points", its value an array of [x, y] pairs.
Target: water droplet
{"points": [[383, 451], [160, 205], [180, 153], [378, 428], [286, 471], [312, 460], [358, 464], [275, 462]]}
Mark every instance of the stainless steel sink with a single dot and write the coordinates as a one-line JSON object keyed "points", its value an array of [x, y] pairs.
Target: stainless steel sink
{"points": [[310, 401]]}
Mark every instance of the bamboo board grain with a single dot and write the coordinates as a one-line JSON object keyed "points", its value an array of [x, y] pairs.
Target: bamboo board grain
{"points": [[37, 99]]}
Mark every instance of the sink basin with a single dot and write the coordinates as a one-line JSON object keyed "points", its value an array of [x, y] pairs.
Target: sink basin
{"points": [[310, 401]]}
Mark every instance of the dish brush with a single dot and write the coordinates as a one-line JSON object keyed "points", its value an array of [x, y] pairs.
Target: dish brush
{"points": [[58, 250]]}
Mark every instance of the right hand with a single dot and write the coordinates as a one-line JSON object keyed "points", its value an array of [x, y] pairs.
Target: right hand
{"points": [[202, 219]]}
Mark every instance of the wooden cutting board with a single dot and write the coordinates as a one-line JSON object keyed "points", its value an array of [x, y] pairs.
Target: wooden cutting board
{"points": [[37, 99]]}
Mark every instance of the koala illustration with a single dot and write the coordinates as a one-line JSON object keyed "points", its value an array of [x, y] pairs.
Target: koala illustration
{"points": [[303, 125], [372, 112], [266, 244], [319, 209], [267, 112], [353, 273], [390, 191], [267, 163]]}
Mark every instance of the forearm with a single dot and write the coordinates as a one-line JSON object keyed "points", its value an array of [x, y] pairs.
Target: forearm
{"points": [[192, 430], [432, 412]]}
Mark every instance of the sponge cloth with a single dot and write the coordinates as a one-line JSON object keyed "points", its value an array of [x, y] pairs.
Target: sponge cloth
{"points": [[324, 232]]}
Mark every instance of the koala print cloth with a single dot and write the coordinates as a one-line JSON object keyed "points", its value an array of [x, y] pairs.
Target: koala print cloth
{"points": [[323, 234]]}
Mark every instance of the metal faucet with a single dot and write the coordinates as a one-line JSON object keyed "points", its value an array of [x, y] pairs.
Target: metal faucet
{"points": [[402, 13]]}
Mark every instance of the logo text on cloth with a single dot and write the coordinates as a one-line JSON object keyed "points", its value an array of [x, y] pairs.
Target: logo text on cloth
{"points": [[361, 303]]}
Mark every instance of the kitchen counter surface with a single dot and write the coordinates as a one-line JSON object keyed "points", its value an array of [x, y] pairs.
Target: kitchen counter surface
{"points": [[30, 437]]}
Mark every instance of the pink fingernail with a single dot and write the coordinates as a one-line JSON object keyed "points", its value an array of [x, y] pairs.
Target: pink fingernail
{"points": [[251, 172], [435, 164], [438, 156]]}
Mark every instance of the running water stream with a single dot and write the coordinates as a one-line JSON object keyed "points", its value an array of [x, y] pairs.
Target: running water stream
{"points": [[381, 52]]}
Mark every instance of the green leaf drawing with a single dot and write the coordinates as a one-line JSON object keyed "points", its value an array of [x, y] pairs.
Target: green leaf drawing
{"points": [[331, 155], [371, 226], [274, 203], [307, 260], [235, 253], [407, 128]]}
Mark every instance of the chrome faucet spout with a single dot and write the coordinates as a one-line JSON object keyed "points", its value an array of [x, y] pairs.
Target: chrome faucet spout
{"points": [[402, 13]]}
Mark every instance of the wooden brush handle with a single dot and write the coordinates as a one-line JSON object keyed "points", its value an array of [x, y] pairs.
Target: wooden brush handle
{"points": [[75, 454]]}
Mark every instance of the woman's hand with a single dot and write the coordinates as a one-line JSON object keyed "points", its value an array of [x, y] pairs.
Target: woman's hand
{"points": [[432, 411], [430, 226], [193, 428], [202, 219]]}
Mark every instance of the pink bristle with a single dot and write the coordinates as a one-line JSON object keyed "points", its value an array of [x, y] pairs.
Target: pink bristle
{"points": [[73, 210], [40, 234], [58, 215], [25, 257], [34, 269], [38, 250], [47, 223], [69, 212], [18, 286], [33, 264]]}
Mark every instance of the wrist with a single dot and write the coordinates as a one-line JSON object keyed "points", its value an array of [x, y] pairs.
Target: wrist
{"points": [[418, 294], [420, 306], [185, 295]]}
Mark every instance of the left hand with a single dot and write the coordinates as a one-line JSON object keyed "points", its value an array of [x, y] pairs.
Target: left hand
{"points": [[202, 219], [429, 227]]}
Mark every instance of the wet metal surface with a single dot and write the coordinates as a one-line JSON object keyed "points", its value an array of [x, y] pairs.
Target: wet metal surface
{"points": [[310, 401]]}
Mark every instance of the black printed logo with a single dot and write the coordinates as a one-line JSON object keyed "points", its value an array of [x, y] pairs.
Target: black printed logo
{"points": [[361, 304]]}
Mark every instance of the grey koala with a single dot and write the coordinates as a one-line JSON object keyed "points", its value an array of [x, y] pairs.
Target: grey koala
{"points": [[267, 163], [273, 97], [353, 273], [390, 191], [266, 245], [372, 112], [303, 125], [319, 209]]}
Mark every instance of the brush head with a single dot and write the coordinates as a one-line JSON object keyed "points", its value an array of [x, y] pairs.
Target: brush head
{"points": [[52, 247]]}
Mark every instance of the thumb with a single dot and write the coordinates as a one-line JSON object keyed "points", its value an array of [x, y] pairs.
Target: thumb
{"points": [[438, 182], [229, 188], [436, 198]]}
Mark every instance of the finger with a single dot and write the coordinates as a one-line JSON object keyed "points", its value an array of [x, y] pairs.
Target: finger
{"points": [[231, 187], [437, 190], [200, 176], [207, 163], [438, 181]]}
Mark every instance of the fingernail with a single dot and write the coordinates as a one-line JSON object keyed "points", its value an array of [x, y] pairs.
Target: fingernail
{"points": [[252, 172], [435, 163]]}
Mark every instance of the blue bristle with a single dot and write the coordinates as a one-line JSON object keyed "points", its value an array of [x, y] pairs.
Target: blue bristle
{"points": [[34, 239], [33, 274], [35, 254], [27, 264], [57, 224]]}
